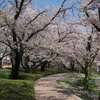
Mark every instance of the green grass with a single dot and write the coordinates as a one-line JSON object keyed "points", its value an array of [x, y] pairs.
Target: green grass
{"points": [[4, 74], [73, 82], [22, 89], [16, 90]]}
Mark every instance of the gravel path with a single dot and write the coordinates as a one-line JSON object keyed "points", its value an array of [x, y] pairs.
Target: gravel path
{"points": [[46, 89]]}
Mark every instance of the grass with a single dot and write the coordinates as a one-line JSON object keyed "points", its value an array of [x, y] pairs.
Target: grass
{"points": [[4, 74], [22, 89], [73, 82], [16, 90]]}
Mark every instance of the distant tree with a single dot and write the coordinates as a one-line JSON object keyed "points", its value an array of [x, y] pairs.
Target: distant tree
{"points": [[85, 56]]}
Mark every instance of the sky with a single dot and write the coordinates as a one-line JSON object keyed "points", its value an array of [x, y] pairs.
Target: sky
{"points": [[52, 4], [3, 3], [73, 15], [46, 3]]}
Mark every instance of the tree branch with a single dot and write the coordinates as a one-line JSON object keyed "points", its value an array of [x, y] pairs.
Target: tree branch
{"points": [[46, 25]]}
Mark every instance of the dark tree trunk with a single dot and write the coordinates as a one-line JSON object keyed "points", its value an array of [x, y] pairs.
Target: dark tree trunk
{"points": [[87, 65], [43, 65], [26, 66], [99, 13], [42, 68], [15, 59], [0, 62], [86, 78], [72, 65]]}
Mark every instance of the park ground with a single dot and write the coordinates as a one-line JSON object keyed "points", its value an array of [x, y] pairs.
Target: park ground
{"points": [[23, 88], [29, 85]]}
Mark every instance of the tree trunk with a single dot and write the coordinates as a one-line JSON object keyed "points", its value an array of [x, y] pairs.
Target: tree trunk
{"points": [[26, 66], [72, 65], [15, 59], [86, 78], [0, 62], [42, 68], [43, 65], [99, 13]]}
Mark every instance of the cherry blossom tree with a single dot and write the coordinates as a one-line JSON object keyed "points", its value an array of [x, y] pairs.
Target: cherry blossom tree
{"points": [[19, 28]]}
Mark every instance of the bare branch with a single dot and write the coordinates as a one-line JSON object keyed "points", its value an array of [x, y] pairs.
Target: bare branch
{"points": [[46, 25]]}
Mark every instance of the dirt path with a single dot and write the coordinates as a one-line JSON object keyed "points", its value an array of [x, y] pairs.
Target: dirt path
{"points": [[46, 89]]}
